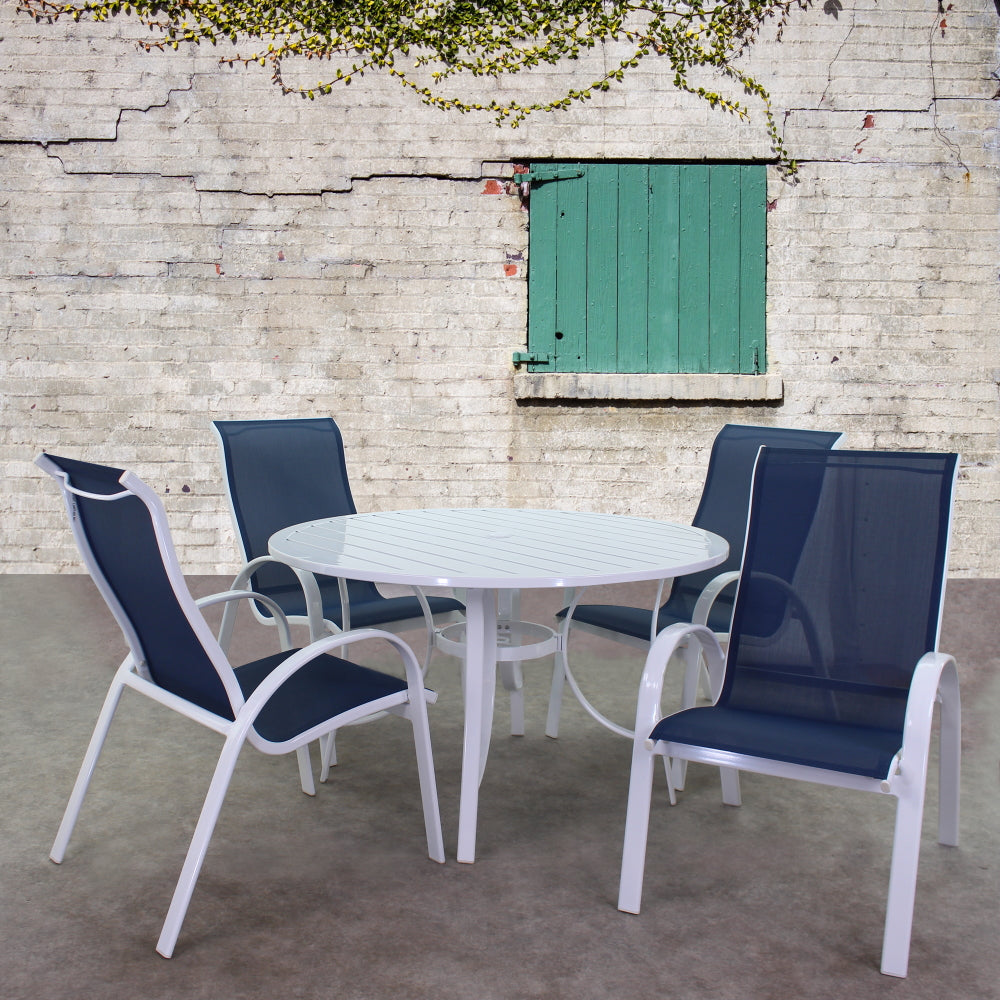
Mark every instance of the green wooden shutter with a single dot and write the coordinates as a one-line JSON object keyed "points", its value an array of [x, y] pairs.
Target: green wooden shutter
{"points": [[647, 268]]}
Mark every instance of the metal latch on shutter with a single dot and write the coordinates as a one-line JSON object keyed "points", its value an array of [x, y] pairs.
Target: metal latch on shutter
{"points": [[540, 174], [531, 358]]}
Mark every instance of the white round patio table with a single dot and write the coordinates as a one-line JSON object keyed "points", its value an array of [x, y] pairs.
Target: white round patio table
{"points": [[486, 551]]}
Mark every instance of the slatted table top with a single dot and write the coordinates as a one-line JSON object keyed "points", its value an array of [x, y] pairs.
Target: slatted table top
{"points": [[497, 548]]}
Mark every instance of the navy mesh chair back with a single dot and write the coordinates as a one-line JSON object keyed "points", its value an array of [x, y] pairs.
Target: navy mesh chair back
{"points": [[840, 595], [123, 544], [723, 507], [725, 502], [285, 472]]}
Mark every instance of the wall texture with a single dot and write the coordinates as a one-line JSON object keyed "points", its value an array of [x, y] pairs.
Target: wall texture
{"points": [[181, 243]]}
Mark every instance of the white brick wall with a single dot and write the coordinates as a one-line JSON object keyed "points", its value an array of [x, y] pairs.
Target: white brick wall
{"points": [[181, 243]]}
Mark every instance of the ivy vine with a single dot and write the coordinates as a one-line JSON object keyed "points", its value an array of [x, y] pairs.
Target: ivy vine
{"points": [[428, 47]]}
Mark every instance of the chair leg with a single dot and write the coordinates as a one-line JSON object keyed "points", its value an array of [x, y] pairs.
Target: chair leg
{"points": [[327, 754], [730, 778], [199, 843], [86, 772], [903, 880], [305, 770], [428, 782], [640, 790]]}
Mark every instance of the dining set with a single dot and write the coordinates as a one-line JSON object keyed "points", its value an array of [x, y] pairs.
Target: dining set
{"points": [[801, 605]]}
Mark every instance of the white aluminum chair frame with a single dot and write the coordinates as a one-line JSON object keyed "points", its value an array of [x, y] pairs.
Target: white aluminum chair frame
{"points": [[934, 682], [410, 703]]}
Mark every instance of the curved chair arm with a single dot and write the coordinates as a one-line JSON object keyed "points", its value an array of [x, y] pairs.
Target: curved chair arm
{"points": [[429, 619], [808, 627], [318, 626], [248, 570], [699, 639], [707, 598], [561, 671], [935, 681], [242, 730], [284, 634]]}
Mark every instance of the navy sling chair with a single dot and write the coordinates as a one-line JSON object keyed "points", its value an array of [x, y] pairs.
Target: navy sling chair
{"points": [[277, 704], [705, 598], [832, 673], [284, 472]]}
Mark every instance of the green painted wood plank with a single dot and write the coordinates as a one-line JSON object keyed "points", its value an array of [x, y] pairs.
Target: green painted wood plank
{"points": [[602, 267], [542, 272], [693, 297], [724, 268], [571, 274], [662, 336], [633, 268], [753, 267]]}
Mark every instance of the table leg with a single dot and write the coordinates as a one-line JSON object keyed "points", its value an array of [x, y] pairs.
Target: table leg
{"points": [[480, 685]]}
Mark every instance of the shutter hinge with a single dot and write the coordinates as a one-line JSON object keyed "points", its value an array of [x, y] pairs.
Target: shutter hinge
{"points": [[531, 358], [538, 175]]}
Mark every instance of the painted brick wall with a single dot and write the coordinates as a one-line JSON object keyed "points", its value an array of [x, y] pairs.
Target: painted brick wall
{"points": [[181, 243]]}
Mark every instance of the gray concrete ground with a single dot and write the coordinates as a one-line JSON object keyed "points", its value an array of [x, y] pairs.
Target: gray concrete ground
{"points": [[334, 896]]}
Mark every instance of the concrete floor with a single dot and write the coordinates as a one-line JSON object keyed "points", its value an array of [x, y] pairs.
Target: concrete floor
{"points": [[335, 897]]}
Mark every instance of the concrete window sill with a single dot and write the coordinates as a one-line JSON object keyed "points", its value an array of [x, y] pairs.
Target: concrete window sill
{"points": [[661, 388]]}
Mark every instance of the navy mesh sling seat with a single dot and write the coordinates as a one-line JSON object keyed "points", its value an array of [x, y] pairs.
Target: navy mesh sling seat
{"points": [[277, 704], [705, 597], [285, 472], [832, 671]]}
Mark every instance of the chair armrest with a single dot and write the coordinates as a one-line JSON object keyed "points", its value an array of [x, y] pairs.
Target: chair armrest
{"points": [[314, 604], [226, 630], [935, 682], [708, 597], [698, 639], [247, 570]]}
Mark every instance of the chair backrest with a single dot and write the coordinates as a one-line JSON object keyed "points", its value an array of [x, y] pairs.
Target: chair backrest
{"points": [[725, 497], [279, 473], [120, 528], [842, 584]]}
